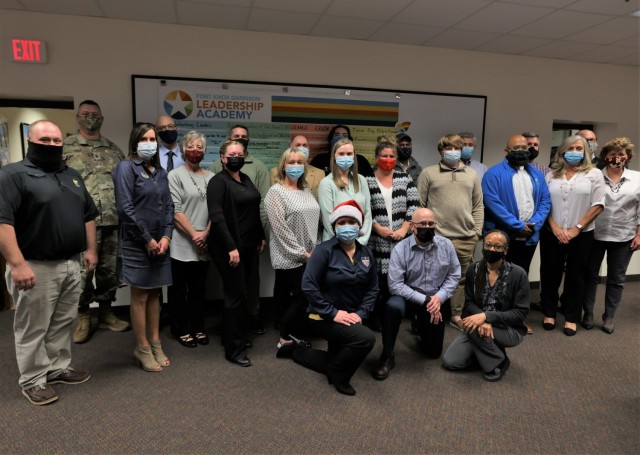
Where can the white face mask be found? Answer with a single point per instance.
(146, 150)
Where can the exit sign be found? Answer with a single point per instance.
(28, 51)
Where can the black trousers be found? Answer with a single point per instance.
(291, 304)
(553, 255)
(348, 346)
(234, 289)
(520, 253)
(186, 296)
(431, 335)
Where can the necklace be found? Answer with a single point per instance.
(615, 187)
(203, 192)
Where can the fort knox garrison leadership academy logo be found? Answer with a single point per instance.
(178, 104)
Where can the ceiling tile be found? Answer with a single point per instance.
(559, 49)
(508, 44)
(140, 10)
(404, 33)
(608, 32)
(301, 6)
(602, 54)
(74, 7)
(212, 16)
(461, 39)
(611, 7)
(634, 41)
(366, 9)
(502, 18)
(281, 21)
(439, 13)
(561, 24)
(345, 27)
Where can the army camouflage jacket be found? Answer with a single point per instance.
(96, 163)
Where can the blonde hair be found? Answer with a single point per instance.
(333, 167)
(282, 175)
(559, 165)
(619, 143)
(450, 140)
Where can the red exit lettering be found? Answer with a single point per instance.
(25, 50)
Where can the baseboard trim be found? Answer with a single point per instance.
(602, 280)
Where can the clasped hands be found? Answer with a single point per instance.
(157, 248)
(345, 318)
(433, 307)
(478, 322)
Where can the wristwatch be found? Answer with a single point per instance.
(579, 226)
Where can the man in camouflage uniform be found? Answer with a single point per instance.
(94, 157)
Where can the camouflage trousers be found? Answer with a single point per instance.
(104, 291)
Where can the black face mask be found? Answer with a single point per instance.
(404, 153)
(243, 141)
(235, 163)
(518, 157)
(425, 234)
(46, 157)
(533, 153)
(492, 256)
(168, 136)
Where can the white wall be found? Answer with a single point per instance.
(95, 58)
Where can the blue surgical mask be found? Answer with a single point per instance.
(344, 162)
(451, 157)
(146, 150)
(573, 158)
(294, 171)
(304, 151)
(347, 233)
(466, 153)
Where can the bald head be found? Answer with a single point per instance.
(300, 141)
(517, 140)
(423, 214)
(45, 132)
(588, 135)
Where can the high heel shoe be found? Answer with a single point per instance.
(145, 358)
(159, 355)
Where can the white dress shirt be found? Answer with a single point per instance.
(621, 216)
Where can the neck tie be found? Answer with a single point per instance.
(169, 161)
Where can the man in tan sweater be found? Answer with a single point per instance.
(452, 190)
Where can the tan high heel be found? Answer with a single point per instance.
(159, 354)
(145, 358)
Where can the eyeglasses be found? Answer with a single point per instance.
(166, 127)
(498, 248)
(424, 224)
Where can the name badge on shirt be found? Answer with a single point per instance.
(144, 174)
(366, 261)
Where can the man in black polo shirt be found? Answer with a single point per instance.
(46, 222)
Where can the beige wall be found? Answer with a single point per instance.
(524, 93)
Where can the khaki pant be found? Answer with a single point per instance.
(464, 250)
(44, 318)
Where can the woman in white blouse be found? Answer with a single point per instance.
(294, 220)
(617, 230)
(577, 194)
(342, 184)
(189, 256)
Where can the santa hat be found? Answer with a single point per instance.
(349, 208)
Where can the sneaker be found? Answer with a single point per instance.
(70, 376)
(83, 329)
(108, 320)
(40, 394)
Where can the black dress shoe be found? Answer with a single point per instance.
(187, 341)
(242, 361)
(201, 338)
(499, 371)
(257, 327)
(384, 367)
(549, 325)
(587, 321)
(345, 388)
(569, 332)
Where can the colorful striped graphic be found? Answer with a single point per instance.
(291, 109)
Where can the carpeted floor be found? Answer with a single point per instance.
(561, 395)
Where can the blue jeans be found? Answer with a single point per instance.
(618, 258)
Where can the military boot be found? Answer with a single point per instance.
(108, 320)
(83, 329)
